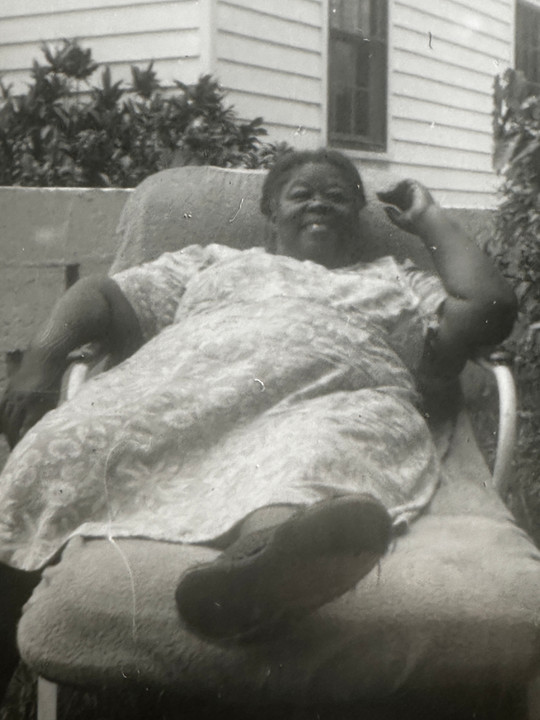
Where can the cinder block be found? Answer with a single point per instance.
(29, 293)
(65, 225)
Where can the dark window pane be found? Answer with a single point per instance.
(335, 13)
(380, 24)
(342, 62)
(364, 17)
(375, 18)
(352, 16)
(361, 114)
(343, 110)
(357, 73)
(363, 53)
(348, 20)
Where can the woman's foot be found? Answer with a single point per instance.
(283, 572)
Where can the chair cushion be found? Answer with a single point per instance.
(456, 602)
(202, 205)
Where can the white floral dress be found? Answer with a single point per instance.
(263, 380)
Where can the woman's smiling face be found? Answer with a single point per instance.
(316, 217)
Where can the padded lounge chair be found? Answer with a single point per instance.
(451, 620)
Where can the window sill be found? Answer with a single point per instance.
(371, 155)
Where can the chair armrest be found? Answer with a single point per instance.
(506, 438)
(77, 376)
(86, 362)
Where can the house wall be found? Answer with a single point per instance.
(269, 55)
(119, 33)
(444, 59)
(444, 54)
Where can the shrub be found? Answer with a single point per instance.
(65, 131)
(517, 247)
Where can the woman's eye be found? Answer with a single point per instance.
(337, 197)
(299, 195)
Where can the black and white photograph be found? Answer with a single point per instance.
(270, 359)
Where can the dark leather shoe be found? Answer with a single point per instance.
(283, 572)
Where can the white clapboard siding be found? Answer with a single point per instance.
(428, 153)
(302, 11)
(235, 47)
(421, 111)
(114, 48)
(468, 78)
(415, 40)
(118, 32)
(300, 136)
(445, 182)
(441, 135)
(12, 8)
(444, 58)
(443, 90)
(456, 30)
(187, 70)
(268, 56)
(96, 23)
(464, 15)
(294, 115)
(252, 79)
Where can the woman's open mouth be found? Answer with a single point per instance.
(316, 226)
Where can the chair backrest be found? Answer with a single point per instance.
(201, 205)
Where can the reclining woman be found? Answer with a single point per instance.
(263, 401)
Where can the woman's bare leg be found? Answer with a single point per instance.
(266, 517)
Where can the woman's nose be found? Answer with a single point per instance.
(318, 202)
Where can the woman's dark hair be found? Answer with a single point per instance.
(281, 171)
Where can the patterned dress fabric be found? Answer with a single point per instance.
(263, 380)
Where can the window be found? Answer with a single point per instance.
(357, 73)
(528, 43)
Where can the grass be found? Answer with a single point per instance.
(20, 700)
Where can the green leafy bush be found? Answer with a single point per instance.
(65, 131)
(517, 247)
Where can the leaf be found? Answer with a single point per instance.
(503, 152)
(145, 82)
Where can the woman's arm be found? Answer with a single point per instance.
(92, 310)
(481, 307)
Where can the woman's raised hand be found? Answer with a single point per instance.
(406, 204)
(480, 307)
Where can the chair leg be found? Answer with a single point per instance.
(47, 696)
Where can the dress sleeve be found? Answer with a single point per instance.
(427, 293)
(154, 289)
